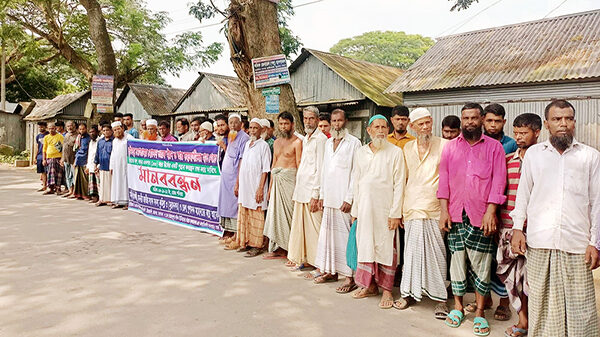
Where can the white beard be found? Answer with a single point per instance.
(253, 138)
(339, 134)
(264, 136)
(309, 131)
(378, 143)
(423, 139)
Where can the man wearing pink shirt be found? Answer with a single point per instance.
(471, 186)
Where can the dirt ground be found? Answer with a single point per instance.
(70, 269)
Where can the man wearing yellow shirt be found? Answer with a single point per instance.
(399, 119)
(52, 153)
(424, 250)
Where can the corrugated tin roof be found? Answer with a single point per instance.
(45, 109)
(556, 49)
(228, 86)
(157, 100)
(371, 79)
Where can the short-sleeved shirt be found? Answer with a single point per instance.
(39, 139)
(513, 169)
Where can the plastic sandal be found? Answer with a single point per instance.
(514, 329)
(481, 323)
(457, 318)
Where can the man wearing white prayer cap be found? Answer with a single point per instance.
(206, 131)
(151, 132)
(252, 192)
(119, 192)
(228, 193)
(424, 249)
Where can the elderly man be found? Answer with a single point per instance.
(164, 131)
(152, 130)
(68, 156)
(379, 180)
(424, 252)
(559, 197)
(128, 122)
(306, 218)
(206, 131)
(119, 191)
(82, 144)
(102, 161)
(143, 125)
(286, 159)
(336, 201)
(90, 166)
(183, 129)
(228, 194)
(399, 119)
(471, 186)
(51, 156)
(255, 165)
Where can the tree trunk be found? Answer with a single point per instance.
(253, 32)
(107, 62)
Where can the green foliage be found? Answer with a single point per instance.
(396, 49)
(462, 4)
(142, 52)
(290, 43)
(11, 159)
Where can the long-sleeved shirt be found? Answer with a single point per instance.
(471, 177)
(169, 138)
(420, 200)
(256, 160)
(559, 196)
(336, 176)
(82, 150)
(103, 152)
(92, 149)
(308, 178)
(68, 153)
(51, 146)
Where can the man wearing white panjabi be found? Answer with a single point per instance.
(336, 200)
(379, 178)
(252, 185)
(119, 192)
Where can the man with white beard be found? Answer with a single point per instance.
(336, 201)
(306, 218)
(424, 250)
(379, 178)
(251, 188)
(119, 192)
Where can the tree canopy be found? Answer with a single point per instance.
(462, 4)
(396, 49)
(64, 39)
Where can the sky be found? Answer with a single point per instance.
(320, 24)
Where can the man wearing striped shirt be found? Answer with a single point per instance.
(511, 267)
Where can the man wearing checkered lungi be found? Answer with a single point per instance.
(559, 197)
(471, 186)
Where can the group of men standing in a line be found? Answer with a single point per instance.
(523, 226)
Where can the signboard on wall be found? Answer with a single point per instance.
(102, 89)
(270, 71)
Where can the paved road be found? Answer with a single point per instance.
(70, 269)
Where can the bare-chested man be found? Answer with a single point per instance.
(287, 151)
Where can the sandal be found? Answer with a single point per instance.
(311, 275)
(502, 313)
(254, 252)
(457, 317)
(273, 256)
(326, 278)
(346, 288)
(363, 293)
(481, 323)
(403, 303)
(387, 303)
(303, 267)
(515, 332)
(441, 311)
(115, 206)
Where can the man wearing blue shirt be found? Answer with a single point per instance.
(82, 145)
(102, 161)
(493, 126)
(39, 143)
(128, 121)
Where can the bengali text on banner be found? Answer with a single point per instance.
(175, 182)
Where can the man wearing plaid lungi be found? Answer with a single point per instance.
(559, 197)
(471, 186)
